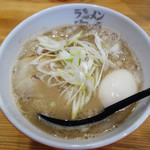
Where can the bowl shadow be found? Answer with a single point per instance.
(38, 146)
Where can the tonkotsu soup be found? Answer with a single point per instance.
(59, 73)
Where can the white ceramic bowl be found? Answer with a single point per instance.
(68, 14)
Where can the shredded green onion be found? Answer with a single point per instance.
(76, 66)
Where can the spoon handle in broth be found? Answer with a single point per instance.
(104, 114)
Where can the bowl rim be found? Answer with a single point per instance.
(47, 142)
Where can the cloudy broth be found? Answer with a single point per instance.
(33, 95)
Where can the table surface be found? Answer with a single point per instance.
(12, 12)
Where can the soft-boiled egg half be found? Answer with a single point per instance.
(116, 86)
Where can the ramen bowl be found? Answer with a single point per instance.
(43, 21)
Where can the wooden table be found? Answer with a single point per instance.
(12, 12)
